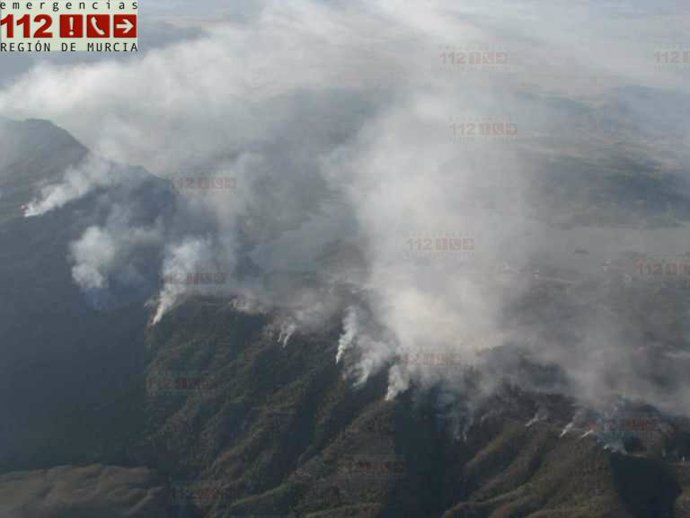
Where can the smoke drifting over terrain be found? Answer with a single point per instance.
(448, 179)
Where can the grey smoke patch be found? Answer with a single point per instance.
(126, 215)
(613, 334)
(190, 268)
(365, 347)
(110, 263)
(350, 330)
(77, 182)
(95, 254)
(154, 33)
(367, 126)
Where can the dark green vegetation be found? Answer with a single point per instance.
(228, 422)
(268, 431)
(66, 367)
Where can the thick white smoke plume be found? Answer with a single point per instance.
(78, 181)
(188, 269)
(457, 172)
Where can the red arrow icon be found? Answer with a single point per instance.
(125, 26)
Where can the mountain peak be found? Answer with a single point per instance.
(33, 152)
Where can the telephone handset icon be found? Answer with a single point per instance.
(98, 26)
(95, 27)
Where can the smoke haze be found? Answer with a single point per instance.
(442, 207)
